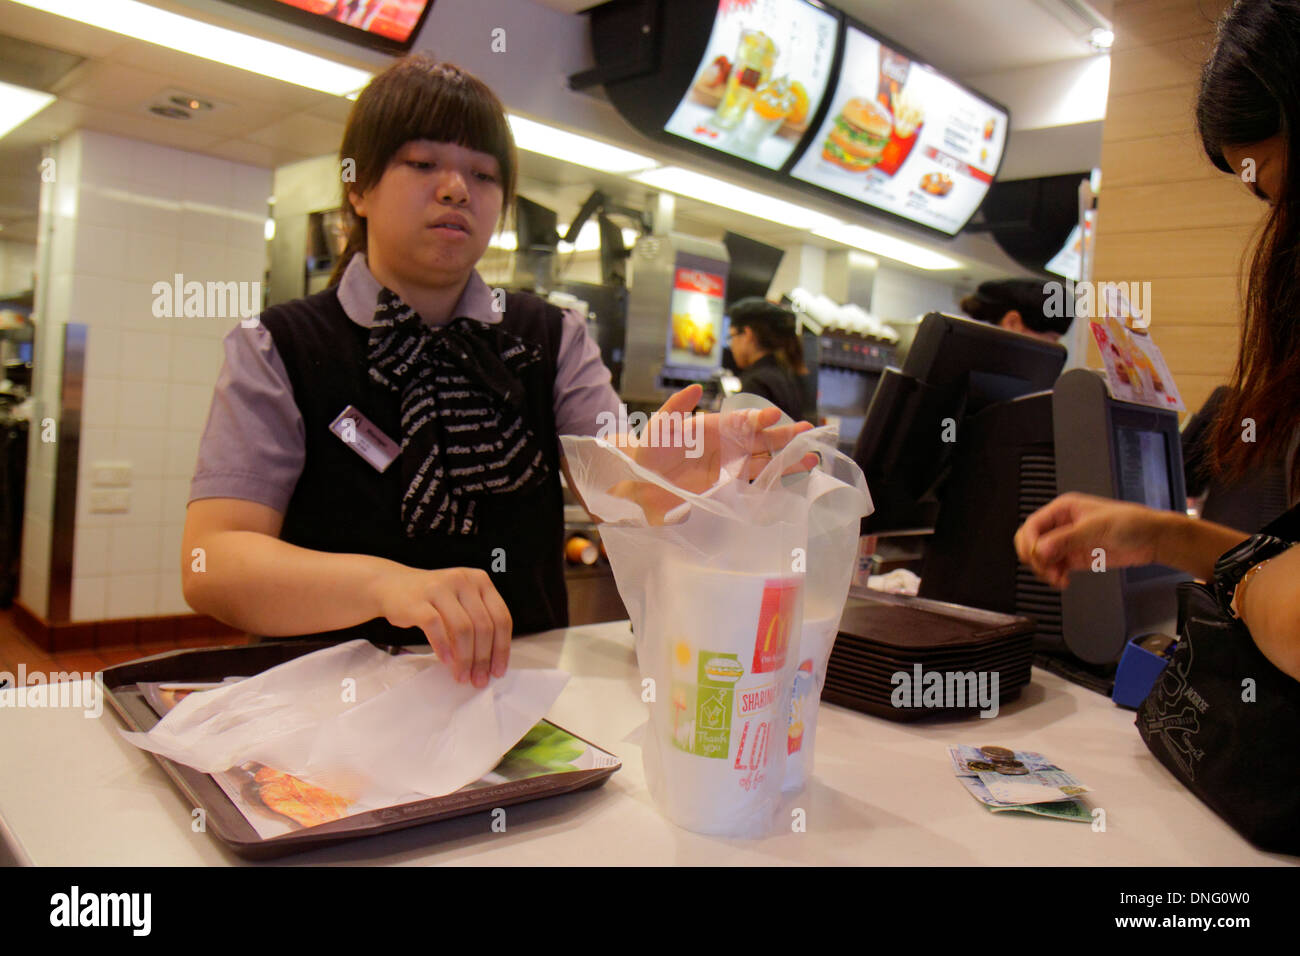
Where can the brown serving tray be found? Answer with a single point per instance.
(226, 821)
(919, 627)
(877, 628)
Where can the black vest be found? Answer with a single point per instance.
(342, 504)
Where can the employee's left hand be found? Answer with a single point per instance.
(696, 467)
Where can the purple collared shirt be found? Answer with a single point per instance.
(253, 446)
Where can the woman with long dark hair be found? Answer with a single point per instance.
(382, 458)
(1248, 117)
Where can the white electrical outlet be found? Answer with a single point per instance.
(109, 501)
(111, 474)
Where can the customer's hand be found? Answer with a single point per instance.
(460, 612)
(1065, 536)
(692, 456)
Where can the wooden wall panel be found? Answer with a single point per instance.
(1148, 22)
(1189, 302)
(1175, 158)
(1149, 113)
(1166, 215)
(1161, 254)
(1159, 66)
(1197, 204)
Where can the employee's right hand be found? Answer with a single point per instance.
(749, 435)
(1063, 535)
(460, 612)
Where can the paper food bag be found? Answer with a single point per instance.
(375, 728)
(718, 597)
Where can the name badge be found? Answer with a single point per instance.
(360, 434)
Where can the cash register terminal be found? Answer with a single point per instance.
(974, 435)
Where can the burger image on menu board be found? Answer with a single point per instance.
(859, 135)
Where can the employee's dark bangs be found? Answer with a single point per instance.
(419, 98)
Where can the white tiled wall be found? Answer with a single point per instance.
(137, 214)
(17, 263)
(898, 294)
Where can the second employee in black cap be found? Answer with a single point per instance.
(1020, 305)
(766, 348)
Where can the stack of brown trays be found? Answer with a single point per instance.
(882, 635)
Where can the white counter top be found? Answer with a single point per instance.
(73, 793)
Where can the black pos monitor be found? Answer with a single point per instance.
(918, 415)
(1011, 454)
(1020, 455)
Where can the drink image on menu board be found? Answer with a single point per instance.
(751, 71)
(762, 75)
(904, 138)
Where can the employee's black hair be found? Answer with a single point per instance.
(1028, 297)
(418, 98)
(774, 329)
(1250, 92)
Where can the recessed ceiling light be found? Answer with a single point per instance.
(171, 112)
(889, 247)
(572, 148)
(718, 192)
(1101, 38)
(19, 104)
(192, 103)
(144, 22)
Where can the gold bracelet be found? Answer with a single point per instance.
(1239, 592)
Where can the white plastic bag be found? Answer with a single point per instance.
(717, 597)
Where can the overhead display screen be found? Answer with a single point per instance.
(903, 138)
(761, 79)
(385, 24)
(695, 336)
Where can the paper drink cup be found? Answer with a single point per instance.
(722, 648)
(805, 698)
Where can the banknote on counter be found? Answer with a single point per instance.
(1003, 779)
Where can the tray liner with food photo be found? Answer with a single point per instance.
(260, 811)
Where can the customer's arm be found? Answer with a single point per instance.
(1073, 531)
(1193, 545)
(1270, 608)
(252, 580)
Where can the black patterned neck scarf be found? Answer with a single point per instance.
(463, 431)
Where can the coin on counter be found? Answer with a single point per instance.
(981, 766)
(1007, 763)
(1011, 771)
(994, 753)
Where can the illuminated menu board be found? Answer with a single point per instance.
(695, 333)
(389, 18)
(761, 80)
(389, 25)
(904, 138)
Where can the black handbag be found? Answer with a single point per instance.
(1224, 720)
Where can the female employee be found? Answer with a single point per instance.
(1248, 113)
(766, 348)
(384, 454)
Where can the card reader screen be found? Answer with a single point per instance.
(1143, 460)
